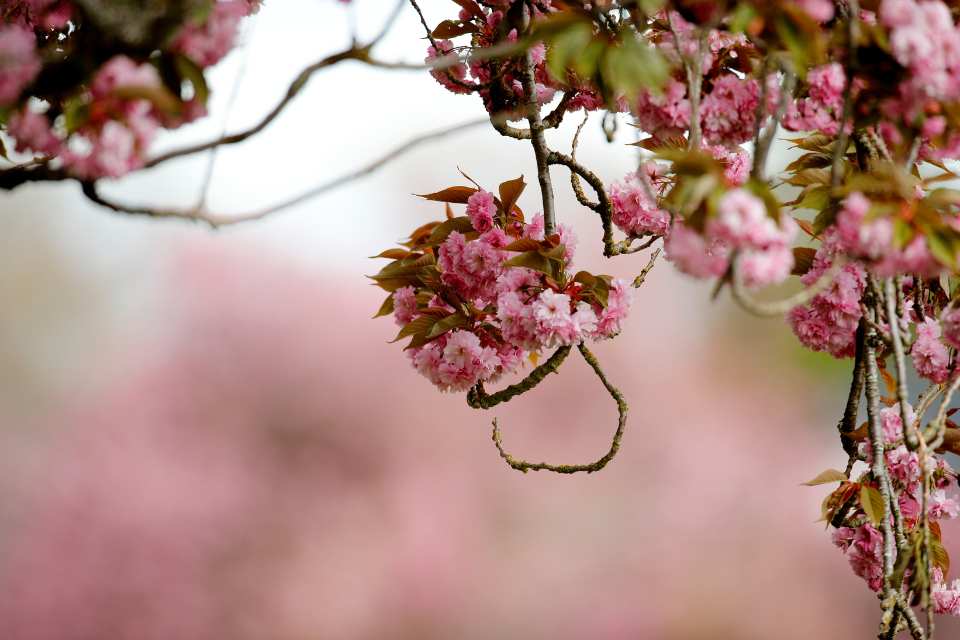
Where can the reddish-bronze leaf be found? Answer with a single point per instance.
(393, 254)
(802, 260)
(510, 192)
(456, 195)
(453, 28)
(472, 8)
(807, 227)
(523, 244)
(828, 476)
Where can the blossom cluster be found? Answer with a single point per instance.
(743, 228)
(860, 539)
(100, 123)
(480, 294)
(499, 83)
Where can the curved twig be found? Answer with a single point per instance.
(478, 398)
(575, 183)
(90, 189)
(640, 279)
(359, 53)
(780, 307)
(622, 408)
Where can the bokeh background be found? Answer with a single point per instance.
(203, 435)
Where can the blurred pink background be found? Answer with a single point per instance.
(203, 435)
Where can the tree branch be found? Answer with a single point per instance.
(593, 467)
(90, 189)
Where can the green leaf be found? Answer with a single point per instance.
(872, 503)
(386, 308)
(565, 47)
(440, 233)
(939, 556)
(828, 476)
(393, 254)
(742, 16)
(903, 233)
(452, 321)
(631, 64)
(824, 219)
(76, 113)
(188, 70)
(420, 325)
(943, 247)
(532, 260)
(816, 199)
(762, 190)
(943, 197)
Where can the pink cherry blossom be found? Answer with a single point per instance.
(481, 208)
(19, 63)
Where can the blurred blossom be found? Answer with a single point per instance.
(279, 471)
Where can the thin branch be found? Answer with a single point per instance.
(478, 398)
(640, 279)
(848, 424)
(500, 121)
(843, 138)
(780, 307)
(540, 148)
(593, 467)
(359, 53)
(764, 141)
(899, 358)
(90, 189)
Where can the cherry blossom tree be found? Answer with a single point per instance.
(863, 217)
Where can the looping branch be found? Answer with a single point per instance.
(478, 398)
(780, 307)
(568, 469)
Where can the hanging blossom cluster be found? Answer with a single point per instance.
(481, 294)
(859, 537)
(93, 116)
(870, 92)
(862, 217)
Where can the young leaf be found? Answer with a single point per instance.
(419, 325)
(456, 195)
(452, 29)
(802, 260)
(440, 233)
(939, 556)
(510, 192)
(872, 503)
(393, 254)
(531, 260)
(452, 321)
(386, 308)
(828, 476)
(523, 244)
